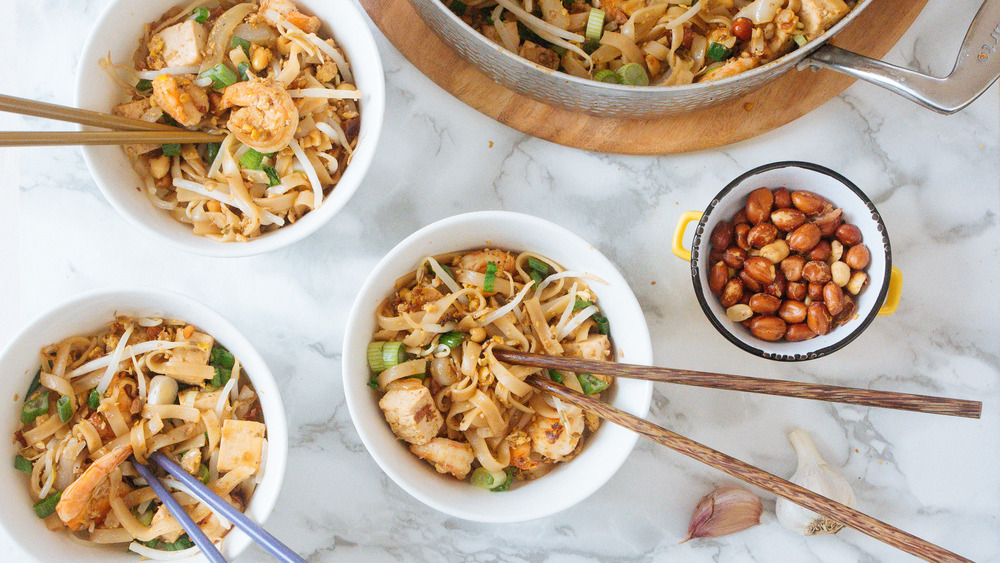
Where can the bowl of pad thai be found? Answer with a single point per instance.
(100, 382)
(459, 430)
(293, 89)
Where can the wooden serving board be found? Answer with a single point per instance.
(789, 97)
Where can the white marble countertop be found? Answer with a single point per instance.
(935, 180)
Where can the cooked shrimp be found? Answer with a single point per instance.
(520, 451)
(447, 456)
(78, 504)
(289, 12)
(267, 118)
(180, 98)
(553, 440)
(476, 261)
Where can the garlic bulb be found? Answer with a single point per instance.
(814, 474)
(724, 511)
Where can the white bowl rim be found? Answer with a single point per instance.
(263, 380)
(373, 110)
(642, 355)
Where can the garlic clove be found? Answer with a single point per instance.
(814, 474)
(724, 511)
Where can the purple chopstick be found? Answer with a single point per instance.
(240, 520)
(206, 546)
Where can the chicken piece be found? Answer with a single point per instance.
(819, 15)
(289, 12)
(447, 456)
(180, 98)
(732, 67)
(410, 411)
(597, 347)
(241, 444)
(539, 55)
(137, 109)
(180, 44)
(191, 460)
(553, 440)
(476, 261)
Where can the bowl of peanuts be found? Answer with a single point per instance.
(790, 261)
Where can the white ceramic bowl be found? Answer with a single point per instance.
(568, 483)
(89, 313)
(117, 32)
(880, 297)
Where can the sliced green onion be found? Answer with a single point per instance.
(559, 49)
(602, 324)
(536, 264)
(221, 377)
(272, 176)
(203, 474)
(241, 71)
(632, 74)
(447, 270)
(221, 357)
(595, 24)
(506, 482)
(181, 544)
(393, 354)
(451, 339)
(35, 407)
(242, 43)
(491, 277)
(94, 400)
(171, 149)
(152, 544)
(145, 518)
(375, 357)
(458, 7)
(143, 84)
(212, 151)
(609, 76)
(373, 382)
(555, 376)
(251, 159)
(581, 304)
(200, 14)
(35, 383)
(718, 52)
(590, 384)
(800, 39)
(590, 45)
(537, 276)
(45, 507)
(221, 76)
(487, 479)
(22, 463)
(64, 408)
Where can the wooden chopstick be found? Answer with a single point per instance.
(33, 108)
(752, 475)
(866, 397)
(53, 138)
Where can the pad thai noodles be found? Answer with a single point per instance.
(139, 386)
(443, 391)
(651, 42)
(260, 74)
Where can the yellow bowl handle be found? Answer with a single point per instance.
(682, 223)
(895, 291)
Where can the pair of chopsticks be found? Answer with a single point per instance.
(124, 130)
(740, 469)
(206, 495)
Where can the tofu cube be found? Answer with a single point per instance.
(135, 110)
(818, 16)
(180, 44)
(241, 444)
(410, 411)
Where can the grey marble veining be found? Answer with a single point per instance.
(935, 179)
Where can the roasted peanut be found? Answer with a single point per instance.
(792, 311)
(767, 328)
(818, 318)
(715, 256)
(739, 313)
(799, 332)
(820, 252)
(759, 204)
(828, 220)
(807, 202)
(849, 234)
(717, 277)
(808, 301)
(782, 198)
(778, 286)
(764, 304)
(858, 257)
(792, 267)
(804, 238)
(833, 297)
(847, 313)
(740, 231)
(762, 235)
(796, 290)
(816, 272)
(836, 251)
(815, 291)
(740, 217)
(722, 235)
(159, 166)
(857, 282)
(840, 273)
(749, 283)
(775, 251)
(732, 292)
(734, 257)
(760, 269)
(788, 219)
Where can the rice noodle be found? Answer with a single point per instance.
(325, 93)
(488, 319)
(310, 173)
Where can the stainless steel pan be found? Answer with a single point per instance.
(978, 66)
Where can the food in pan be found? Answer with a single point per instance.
(651, 42)
(138, 386)
(443, 391)
(263, 75)
(787, 266)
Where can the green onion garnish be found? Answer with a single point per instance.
(251, 159)
(35, 383)
(21, 463)
(603, 326)
(272, 176)
(595, 24)
(200, 14)
(609, 76)
(458, 7)
(590, 384)
(221, 76)
(393, 354)
(581, 304)
(375, 357)
(506, 482)
(487, 479)
(221, 376)
(590, 45)
(632, 74)
(491, 277)
(171, 149)
(181, 544)
(718, 52)
(45, 507)
(203, 474)
(64, 408)
(555, 376)
(451, 339)
(94, 400)
(35, 407)
(211, 151)
(241, 70)
(221, 357)
(800, 39)
(538, 265)
(145, 518)
(240, 42)
(143, 85)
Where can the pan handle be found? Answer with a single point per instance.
(977, 67)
